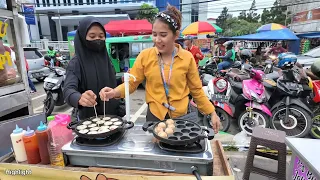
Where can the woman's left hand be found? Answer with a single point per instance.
(215, 122)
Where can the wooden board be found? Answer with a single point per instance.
(221, 171)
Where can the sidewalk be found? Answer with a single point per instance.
(237, 161)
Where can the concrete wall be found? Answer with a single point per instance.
(294, 9)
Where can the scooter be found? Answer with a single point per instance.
(53, 85)
(248, 101)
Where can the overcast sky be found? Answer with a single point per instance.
(215, 8)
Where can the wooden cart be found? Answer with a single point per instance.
(221, 171)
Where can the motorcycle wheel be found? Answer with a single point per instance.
(294, 126)
(260, 119)
(48, 104)
(315, 132)
(225, 120)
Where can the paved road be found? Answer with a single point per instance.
(137, 101)
(137, 105)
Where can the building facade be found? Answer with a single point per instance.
(305, 15)
(54, 18)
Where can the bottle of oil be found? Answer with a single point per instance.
(31, 145)
(42, 137)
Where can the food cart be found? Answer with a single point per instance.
(14, 92)
(9, 169)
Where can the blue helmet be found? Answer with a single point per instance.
(287, 60)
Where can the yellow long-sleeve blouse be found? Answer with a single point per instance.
(184, 79)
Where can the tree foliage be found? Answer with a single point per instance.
(147, 12)
(221, 21)
(238, 27)
(277, 14)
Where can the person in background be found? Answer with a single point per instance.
(277, 50)
(89, 71)
(195, 51)
(258, 54)
(31, 85)
(170, 73)
(51, 53)
(229, 58)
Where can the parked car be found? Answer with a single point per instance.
(36, 63)
(308, 58)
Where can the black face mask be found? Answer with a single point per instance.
(96, 45)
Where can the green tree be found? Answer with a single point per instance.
(243, 15)
(221, 20)
(238, 27)
(147, 12)
(253, 16)
(277, 14)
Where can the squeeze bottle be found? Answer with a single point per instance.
(17, 144)
(42, 137)
(31, 145)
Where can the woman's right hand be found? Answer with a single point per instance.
(107, 93)
(88, 99)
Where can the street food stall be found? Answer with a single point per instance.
(14, 93)
(132, 153)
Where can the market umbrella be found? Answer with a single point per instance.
(270, 27)
(201, 27)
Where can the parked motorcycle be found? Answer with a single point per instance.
(248, 101)
(53, 85)
(291, 114)
(315, 104)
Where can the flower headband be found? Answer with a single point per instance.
(168, 18)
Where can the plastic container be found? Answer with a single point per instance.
(31, 145)
(59, 135)
(42, 137)
(18, 145)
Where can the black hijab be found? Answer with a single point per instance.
(96, 69)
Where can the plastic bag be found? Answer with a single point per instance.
(242, 139)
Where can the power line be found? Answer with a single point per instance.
(184, 4)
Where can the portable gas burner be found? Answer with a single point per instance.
(137, 149)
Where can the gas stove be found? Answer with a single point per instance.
(136, 149)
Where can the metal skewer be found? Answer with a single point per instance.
(95, 111)
(104, 109)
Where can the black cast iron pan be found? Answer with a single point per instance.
(124, 126)
(185, 132)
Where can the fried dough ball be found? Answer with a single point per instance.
(162, 134)
(162, 124)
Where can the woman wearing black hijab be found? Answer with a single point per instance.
(89, 71)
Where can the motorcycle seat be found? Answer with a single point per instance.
(236, 85)
(274, 75)
(237, 75)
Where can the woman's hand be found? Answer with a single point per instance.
(108, 93)
(88, 99)
(215, 122)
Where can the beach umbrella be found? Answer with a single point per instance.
(270, 27)
(201, 27)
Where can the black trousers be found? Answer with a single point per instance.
(151, 117)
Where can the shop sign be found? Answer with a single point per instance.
(304, 16)
(4, 58)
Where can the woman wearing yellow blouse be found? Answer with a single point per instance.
(170, 73)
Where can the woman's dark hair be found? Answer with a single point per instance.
(175, 14)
